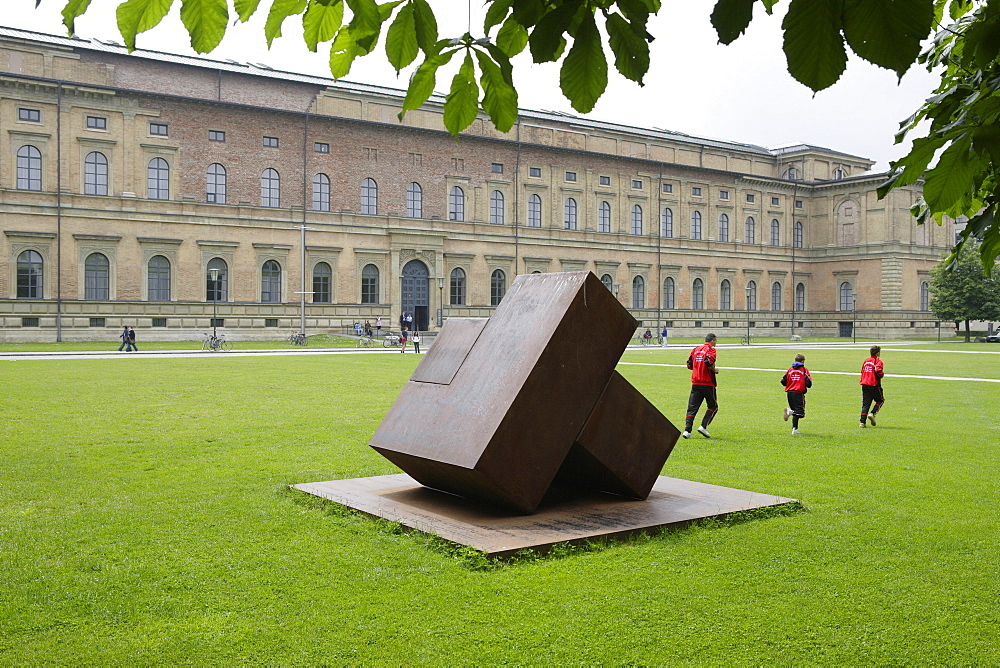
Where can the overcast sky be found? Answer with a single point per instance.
(740, 92)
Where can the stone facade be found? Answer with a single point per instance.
(114, 209)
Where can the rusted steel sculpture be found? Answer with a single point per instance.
(501, 408)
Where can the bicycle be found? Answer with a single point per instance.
(391, 340)
(297, 339)
(366, 342)
(746, 340)
(216, 343)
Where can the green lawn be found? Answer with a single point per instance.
(145, 519)
(111, 344)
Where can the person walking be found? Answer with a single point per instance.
(402, 340)
(871, 385)
(409, 321)
(378, 326)
(416, 342)
(701, 361)
(663, 337)
(131, 340)
(124, 337)
(797, 381)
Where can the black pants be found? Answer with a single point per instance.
(871, 394)
(701, 393)
(797, 402)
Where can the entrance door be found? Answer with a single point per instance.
(416, 286)
(846, 330)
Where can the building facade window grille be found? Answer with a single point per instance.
(322, 283)
(800, 297)
(369, 284)
(29, 168)
(696, 225)
(498, 286)
(636, 219)
(775, 232)
(270, 188)
(604, 217)
(846, 296)
(496, 208)
(215, 184)
(158, 179)
(456, 294)
(569, 214)
(638, 292)
(95, 174)
(776, 296)
(752, 296)
(698, 294)
(535, 211)
(797, 236)
(321, 192)
(456, 204)
(414, 200)
(29, 275)
(158, 279)
(97, 277)
(725, 295)
(751, 231)
(369, 197)
(217, 290)
(925, 296)
(667, 223)
(608, 282)
(723, 227)
(669, 293)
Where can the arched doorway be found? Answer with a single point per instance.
(416, 284)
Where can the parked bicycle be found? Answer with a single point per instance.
(366, 342)
(216, 343)
(746, 340)
(297, 339)
(391, 340)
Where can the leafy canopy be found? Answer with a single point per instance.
(964, 114)
(964, 291)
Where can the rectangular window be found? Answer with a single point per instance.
(216, 135)
(321, 147)
(637, 184)
(798, 204)
(97, 123)
(29, 322)
(668, 323)
(668, 187)
(775, 201)
(723, 194)
(458, 164)
(159, 129)
(217, 322)
(696, 191)
(725, 323)
(801, 324)
(270, 322)
(571, 176)
(33, 115)
(417, 159)
(271, 142)
(371, 154)
(159, 322)
(496, 168)
(605, 180)
(752, 324)
(535, 172)
(751, 198)
(697, 323)
(777, 323)
(97, 322)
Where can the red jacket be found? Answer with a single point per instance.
(797, 379)
(701, 361)
(871, 371)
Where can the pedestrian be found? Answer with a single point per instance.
(125, 341)
(409, 321)
(871, 385)
(131, 340)
(357, 328)
(797, 381)
(663, 337)
(402, 320)
(402, 340)
(647, 336)
(701, 361)
(378, 326)
(416, 342)
(368, 329)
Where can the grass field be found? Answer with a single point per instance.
(145, 519)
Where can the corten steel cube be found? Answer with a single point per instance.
(496, 407)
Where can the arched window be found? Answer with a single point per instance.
(723, 227)
(698, 294)
(534, 211)
(636, 219)
(752, 296)
(669, 293)
(95, 174)
(638, 292)
(270, 282)
(776, 300)
(456, 204)
(158, 279)
(793, 173)
(270, 188)
(158, 179)
(215, 184)
(839, 174)
(797, 234)
(725, 295)
(608, 282)
(369, 199)
(498, 287)
(96, 277)
(800, 297)
(667, 223)
(604, 217)
(217, 290)
(925, 296)
(29, 275)
(321, 192)
(569, 214)
(775, 232)
(414, 201)
(322, 283)
(496, 208)
(457, 294)
(29, 168)
(846, 297)
(751, 231)
(696, 225)
(369, 285)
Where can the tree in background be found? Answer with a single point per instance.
(964, 291)
(964, 113)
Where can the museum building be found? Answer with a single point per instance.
(169, 193)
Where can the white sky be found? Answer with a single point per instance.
(740, 92)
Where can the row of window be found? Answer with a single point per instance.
(669, 294)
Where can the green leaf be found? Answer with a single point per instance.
(496, 13)
(813, 45)
(136, 16)
(547, 39)
(769, 6)
(911, 167)
(631, 50)
(528, 12)
(245, 9)
(584, 74)
(731, 18)
(986, 140)
(401, 46)
(461, 105)
(321, 21)
(343, 51)
(425, 25)
(280, 10)
(952, 178)
(499, 96)
(888, 32)
(422, 81)
(366, 20)
(72, 9)
(206, 22)
(512, 37)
